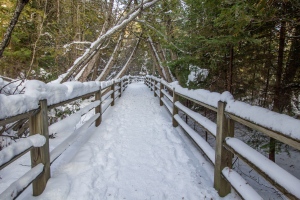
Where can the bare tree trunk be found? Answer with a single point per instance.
(92, 63)
(124, 21)
(35, 45)
(165, 74)
(112, 59)
(164, 59)
(230, 73)
(278, 107)
(20, 5)
(155, 63)
(124, 69)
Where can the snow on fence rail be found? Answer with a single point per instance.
(34, 105)
(281, 127)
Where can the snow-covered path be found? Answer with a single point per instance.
(134, 154)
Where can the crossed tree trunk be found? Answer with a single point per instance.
(95, 47)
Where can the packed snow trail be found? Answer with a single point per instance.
(134, 154)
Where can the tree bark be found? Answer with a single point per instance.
(277, 105)
(230, 69)
(96, 45)
(166, 75)
(124, 69)
(112, 59)
(20, 5)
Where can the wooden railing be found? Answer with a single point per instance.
(38, 142)
(227, 145)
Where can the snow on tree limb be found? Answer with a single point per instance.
(123, 70)
(112, 59)
(86, 57)
(157, 58)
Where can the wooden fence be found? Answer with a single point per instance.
(227, 145)
(41, 158)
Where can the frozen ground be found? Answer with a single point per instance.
(134, 154)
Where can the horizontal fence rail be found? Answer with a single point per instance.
(226, 144)
(38, 141)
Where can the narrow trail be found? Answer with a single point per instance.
(134, 154)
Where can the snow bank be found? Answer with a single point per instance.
(22, 145)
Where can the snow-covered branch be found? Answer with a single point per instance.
(85, 58)
(123, 70)
(112, 59)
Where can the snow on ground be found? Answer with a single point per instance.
(134, 154)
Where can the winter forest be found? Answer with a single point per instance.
(250, 48)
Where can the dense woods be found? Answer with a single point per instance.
(250, 48)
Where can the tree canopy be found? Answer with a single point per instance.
(250, 48)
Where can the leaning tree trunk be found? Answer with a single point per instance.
(111, 60)
(126, 66)
(20, 5)
(123, 22)
(93, 63)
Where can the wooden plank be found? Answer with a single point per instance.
(170, 109)
(120, 90)
(201, 143)
(98, 108)
(240, 185)
(17, 187)
(38, 124)
(198, 102)
(223, 157)
(262, 173)
(18, 117)
(175, 109)
(196, 120)
(167, 85)
(15, 158)
(167, 95)
(70, 100)
(161, 95)
(113, 94)
(154, 88)
(276, 135)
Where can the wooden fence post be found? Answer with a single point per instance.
(120, 90)
(175, 109)
(223, 157)
(154, 88)
(113, 94)
(151, 84)
(98, 109)
(161, 95)
(38, 124)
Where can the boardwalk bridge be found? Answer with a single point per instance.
(220, 156)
